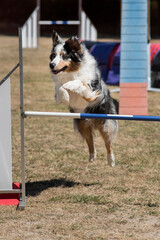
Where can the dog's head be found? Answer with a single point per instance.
(65, 56)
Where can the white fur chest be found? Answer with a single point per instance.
(71, 88)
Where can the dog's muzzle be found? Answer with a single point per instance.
(55, 71)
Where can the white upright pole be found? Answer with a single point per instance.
(5, 137)
(29, 22)
(38, 19)
(83, 27)
(35, 29)
(24, 37)
(88, 24)
(79, 17)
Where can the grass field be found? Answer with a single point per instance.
(67, 197)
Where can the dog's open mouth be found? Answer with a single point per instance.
(60, 70)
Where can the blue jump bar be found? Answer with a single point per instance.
(63, 22)
(59, 22)
(121, 117)
(91, 115)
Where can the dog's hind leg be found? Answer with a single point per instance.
(85, 129)
(108, 133)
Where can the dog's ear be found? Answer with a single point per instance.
(56, 38)
(74, 49)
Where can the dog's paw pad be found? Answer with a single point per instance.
(111, 160)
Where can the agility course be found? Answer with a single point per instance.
(66, 196)
(69, 198)
(24, 114)
(8, 171)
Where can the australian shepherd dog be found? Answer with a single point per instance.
(79, 85)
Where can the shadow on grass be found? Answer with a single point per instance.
(35, 188)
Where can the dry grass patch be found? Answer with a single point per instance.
(68, 197)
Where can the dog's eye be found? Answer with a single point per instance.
(52, 56)
(65, 56)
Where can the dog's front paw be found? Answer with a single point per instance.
(73, 86)
(67, 86)
(111, 160)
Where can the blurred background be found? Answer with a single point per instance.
(105, 15)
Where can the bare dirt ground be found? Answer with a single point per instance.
(69, 198)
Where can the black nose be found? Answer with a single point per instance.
(52, 65)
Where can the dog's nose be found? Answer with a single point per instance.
(52, 65)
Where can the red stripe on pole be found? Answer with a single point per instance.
(133, 99)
